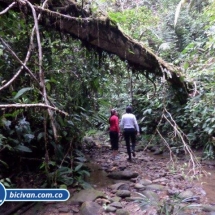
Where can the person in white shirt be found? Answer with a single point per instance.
(130, 128)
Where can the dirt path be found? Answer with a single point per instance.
(151, 168)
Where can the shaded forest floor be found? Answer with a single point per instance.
(172, 186)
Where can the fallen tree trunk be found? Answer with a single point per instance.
(102, 34)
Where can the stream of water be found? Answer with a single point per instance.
(208, 182)
(98, 178)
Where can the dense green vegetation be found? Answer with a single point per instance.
(86, 84)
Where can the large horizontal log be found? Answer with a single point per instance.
(102, 33)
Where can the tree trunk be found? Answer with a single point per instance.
(104, 35)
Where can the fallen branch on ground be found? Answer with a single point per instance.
(196, 166)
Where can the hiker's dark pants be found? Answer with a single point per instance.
(130, 135)
(114, 140)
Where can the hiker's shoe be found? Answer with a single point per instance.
(129, 160)
(133, 153)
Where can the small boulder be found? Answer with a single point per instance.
(86, 195)
(123, 175)
(90, 208)
(122, 212)
(123, 193)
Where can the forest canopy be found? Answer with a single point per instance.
(101, 32)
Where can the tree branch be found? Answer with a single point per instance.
(8, 8)
(20, 70)
(33, 106)
(41, 73)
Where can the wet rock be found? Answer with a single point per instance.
(122, 212)
(123, 175)
(116, 204)
(65, 214)
(63, 210)
(155, 187)
(116, 199)
(110, 209)
(133, 180)
(86, 195)
(145, 182)
(123, 193)
(185, 194)
(90, 208)
(119, 186)
(208, 208)
(132, 198)
(139, 186)
(75, 209)
(160, 180)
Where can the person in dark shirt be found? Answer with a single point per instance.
(114, 132)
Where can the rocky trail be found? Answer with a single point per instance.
(149, 185)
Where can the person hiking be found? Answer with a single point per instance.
(130, 128)
(114, 132)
